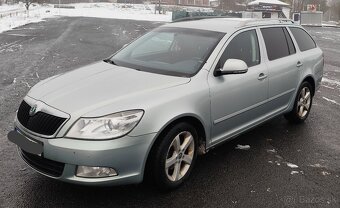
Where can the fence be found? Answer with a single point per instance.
(179, 14)
(12, 13)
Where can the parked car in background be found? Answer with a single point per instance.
(178, 91)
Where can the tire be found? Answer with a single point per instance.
(168, 152)
(302, 104)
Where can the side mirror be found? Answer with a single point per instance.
(232, 66)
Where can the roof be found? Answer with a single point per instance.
(275, 2)
(226, 25)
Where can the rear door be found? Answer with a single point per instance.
(283, 68)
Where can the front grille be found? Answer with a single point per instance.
(41, 123)
(49, 167)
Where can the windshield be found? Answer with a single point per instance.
(171, 51)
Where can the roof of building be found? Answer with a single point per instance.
(226, 25)
(273, 2)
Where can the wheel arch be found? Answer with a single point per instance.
(311, 81)
(189, 118)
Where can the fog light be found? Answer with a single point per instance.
(95, 172)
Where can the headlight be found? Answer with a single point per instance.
(106, 127)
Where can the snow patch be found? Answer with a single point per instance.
(16, 16)
(317, 165)
(271, 150)
(26, 83)
(115, 11)
(294, 172)
(291, 165)
(242, 147)
(19, 18)
(279, 157)
(330, 100)
(332, 88)
(325, 173)
(330, 81)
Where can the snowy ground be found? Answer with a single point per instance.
(15, 15)
(115, 11)
(4, 8)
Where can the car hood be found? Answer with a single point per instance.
(100, 84)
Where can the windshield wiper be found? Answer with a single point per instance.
(110, 61)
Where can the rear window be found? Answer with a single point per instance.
(303, 39)
(276, 43)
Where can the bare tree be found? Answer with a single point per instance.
(232, 4)
(300, 5)
(29, 2)
(334, 9)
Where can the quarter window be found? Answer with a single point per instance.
(290, 43)
(303, 39)
(244, 47)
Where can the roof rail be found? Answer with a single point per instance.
(199, 18)
(269, 21)
(246, 21)
(286, 20)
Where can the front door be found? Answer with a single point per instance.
(237, 99)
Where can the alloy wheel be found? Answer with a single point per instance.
(180, 155)
(304, 102)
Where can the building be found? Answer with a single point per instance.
(267, 9)
(194, 2)
(204, 3)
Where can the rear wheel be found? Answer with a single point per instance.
(173, 157)
(302, 105)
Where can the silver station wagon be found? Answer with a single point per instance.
(145, 113)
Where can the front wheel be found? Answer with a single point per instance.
(173, 157)
(302, 105)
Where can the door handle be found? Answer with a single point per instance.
(299, 64)
(262, 76)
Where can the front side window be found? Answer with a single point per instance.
(170, 51)
(302, 38)
(244, 47)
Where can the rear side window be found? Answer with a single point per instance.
(276, 43)
(303, 39)
(245, 47)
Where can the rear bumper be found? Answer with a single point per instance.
(127, 155)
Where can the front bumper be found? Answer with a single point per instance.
(127, 155)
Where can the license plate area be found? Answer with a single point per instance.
(25, 143)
